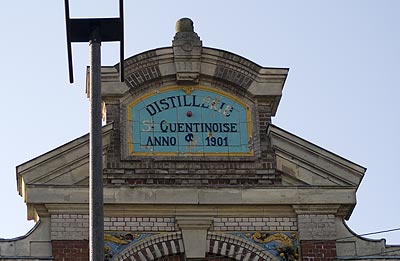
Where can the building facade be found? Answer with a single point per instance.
(194, 169)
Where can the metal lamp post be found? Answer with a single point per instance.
(95, 31)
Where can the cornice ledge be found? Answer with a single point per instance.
(316, 209)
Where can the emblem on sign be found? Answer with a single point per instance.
(192, 121)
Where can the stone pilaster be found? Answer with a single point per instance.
(317, 231)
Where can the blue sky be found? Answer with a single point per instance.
(341, 93)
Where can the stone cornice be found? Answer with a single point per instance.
(175, 210)
(306, 209)
(44, 194)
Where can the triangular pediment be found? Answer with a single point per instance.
(67, 165)
(303, 163)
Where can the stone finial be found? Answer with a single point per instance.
(187, 52)
(184, 25)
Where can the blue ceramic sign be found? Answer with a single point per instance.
(198, 121)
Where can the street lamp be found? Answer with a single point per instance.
(95, 31)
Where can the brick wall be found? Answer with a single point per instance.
(76, 226)
(312, 250)
(112, 116)
(70, 250)
(214, 173)
(255, 223)
(69, 227)
(139, 224)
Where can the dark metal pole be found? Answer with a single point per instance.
(96, 209)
